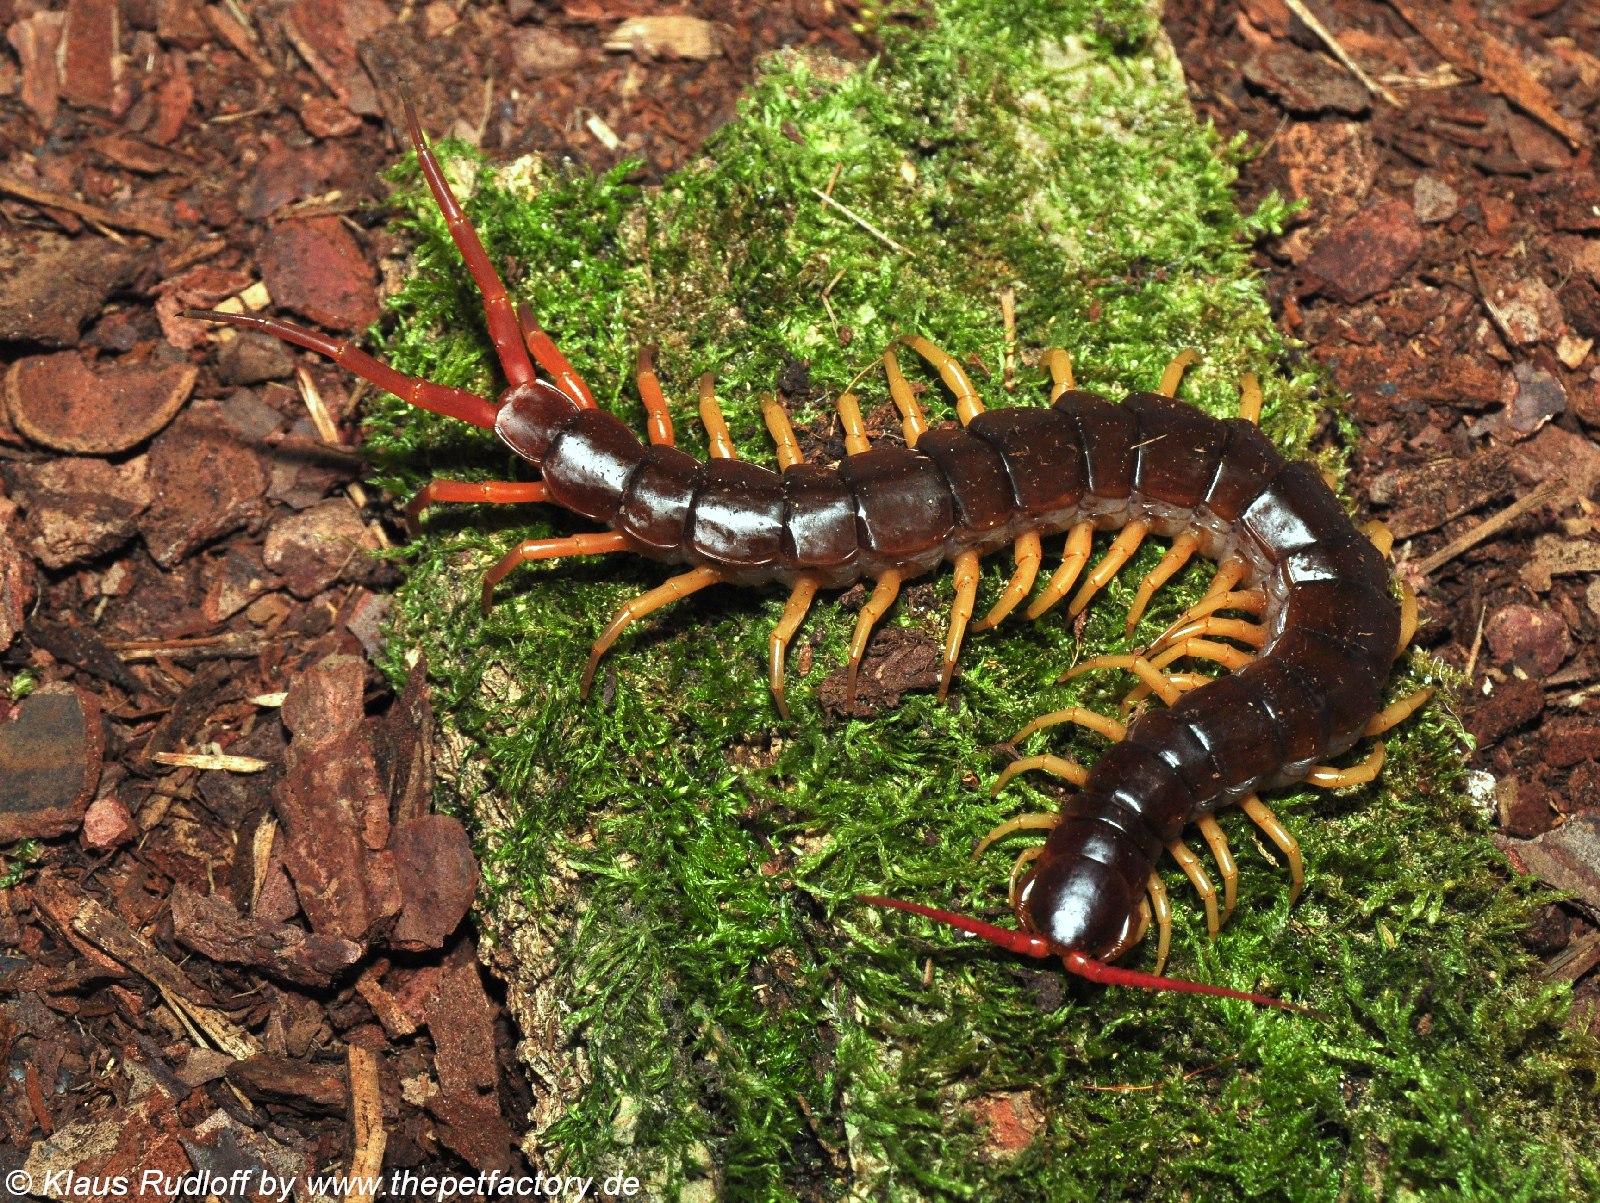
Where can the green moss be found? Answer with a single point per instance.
(672, 871)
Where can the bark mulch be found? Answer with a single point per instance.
(228, 880)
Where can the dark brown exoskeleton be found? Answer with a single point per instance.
(1326, 626)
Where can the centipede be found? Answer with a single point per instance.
(1301, 610)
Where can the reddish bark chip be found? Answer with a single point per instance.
(80, 508)
(280, 1079)
(315, 268)
(1368, 253)
(313, 549)
(56, 401)
(49, 763)
(205, 483)
(438, 877)
(90, 54)
(1512, 704)
(50, 286)
(1304, 83)
(107, 825)
(16, 574)
(1572, 201)
(211, 926)
(333, 807)
(326, 33)
(1557, 454)
(36, 40)
(461, 1021)
(1519, 634)
(283, 176)
(143, 1136)
(1566, 858)
(1569, 743)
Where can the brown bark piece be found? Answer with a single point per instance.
(1566, 858)
(36, 40)
(275, 1078)
(1458, 36)
(1306, 83)
(50, 753)
(326, 33)
(438, 876)
(205, 482)
(1368, 253)
(90, 54)
(142, 1135)
(16, 574)
(50, 285)
(404, 746)
(315, 268)
(313, 549)
(58, 402)
(332, 806)
(211, 926)
(81, 508)
(1519, 634)
(1513, 704)
(461, 1021)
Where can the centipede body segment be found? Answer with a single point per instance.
(1320, 627)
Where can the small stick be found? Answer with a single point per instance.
(1317, 27)
(35, 195)
(1008, 314)
(1489, 526)
(862, 222)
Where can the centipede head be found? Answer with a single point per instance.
(1034, 945)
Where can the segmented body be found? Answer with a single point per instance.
(1004, 478)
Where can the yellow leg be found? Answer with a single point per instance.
(960, 615)
(1408, 618)
(1250, 398)
(782, 432)
(855, 430)
(968, 406)
(1173, 376)
(1122, 549)
(794, 613)
(1163, 912)
(1382, 537)
(1396, 713)
(1249, 633)
(1028, 552)
(1054, 765)
(884, 591)
(912, 420)
(1098, 723)
(717, 436)
(1263, 818)
(1024, 858)
(658, 422)
(680, 586)
(1060, 365)
(1183, 547)
(1357, 774)
(1211, 831)
(548, 549)
(1030, 822)
(1229, 573)
(1080, 544)
(1159, 683)
(1195, 872)
(1251, 601)
(1224, 654)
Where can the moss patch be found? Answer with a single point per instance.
(672, 871)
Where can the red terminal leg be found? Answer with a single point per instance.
(424, 394)
(504, 329)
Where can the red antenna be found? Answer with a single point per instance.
(1083, 965)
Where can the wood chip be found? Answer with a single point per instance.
(221, 764)
(1458, 36)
